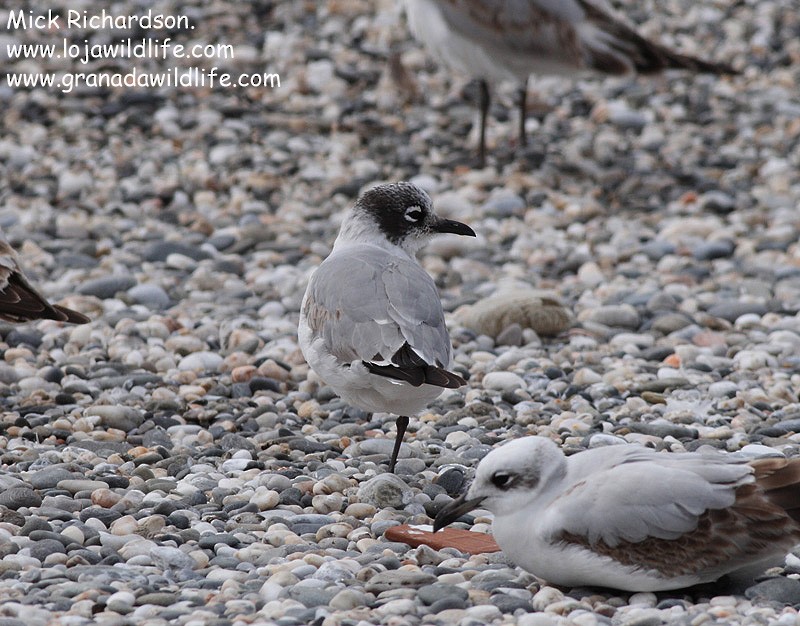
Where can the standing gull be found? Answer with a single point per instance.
(510, 39)
(631, 518)
(371, 322)
(19, 301)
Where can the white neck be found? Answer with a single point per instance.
(356, 229)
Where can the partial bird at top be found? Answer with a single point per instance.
(19, 301)
(510, 39)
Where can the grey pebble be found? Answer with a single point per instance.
(616, 316)
(42, 548)
(160, 250)
(150, 295)
(780, 589)
(116, 416)
(384, 491)
(312, 597)
(48, 477)
(731, 310)
(710, 250)
(398, 579)
(107, 286)
(19, 497)
(429, 594)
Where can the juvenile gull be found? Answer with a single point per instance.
(495, 40)
(19, 301)
(631, 518)
(371, 322)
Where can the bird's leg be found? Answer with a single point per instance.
(522, 94)
(402, 424)
(484, 100)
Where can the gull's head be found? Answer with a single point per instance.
(509, 478)
(398, 213)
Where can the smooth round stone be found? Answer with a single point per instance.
(756, 451)
(613, 315)
(504, 203)
(169, 557)
(75, 485)
(158, 598)
(537, 619)
(670, 322)
(398, 579)
(508, 604)
(369, 447)
(780, 589)
(115, 416)
(710, 250)
(266, 499)
(723, 389)
(44, 547)
(201, 361)
(485, 613)
(451, 480)
(34, 523)
(731, 310)
(160, 250)
(150, 295)
(436, 592)
(19, 497)
(503, 381)
(360, 510)
(121, 602)
(384, 491)
(48, 477)
(106, 286)
(311, 597)
(348, 599)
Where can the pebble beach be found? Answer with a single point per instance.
(635, 280)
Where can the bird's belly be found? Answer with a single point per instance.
(381, 395)
(575, 566)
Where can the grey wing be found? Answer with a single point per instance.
(415, 307)
(646, 496)
(366, 305)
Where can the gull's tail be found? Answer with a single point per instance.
(780, 480)
(613, 47)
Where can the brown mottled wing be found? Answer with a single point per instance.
(720, 535)
(576, 32)
(780, 480)
(20, 302)
(613, 47)
(752, 529)
(544, 27)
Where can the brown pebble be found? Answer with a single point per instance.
(243, 373)
(105, 498)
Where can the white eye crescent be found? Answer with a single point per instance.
(414, 214)
(502, 480)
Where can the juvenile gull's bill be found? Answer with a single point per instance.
(371, 322)
(19, 301)
(631, 518)
(510, 39)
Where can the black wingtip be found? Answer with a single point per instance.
(417, 375)
(71, 316)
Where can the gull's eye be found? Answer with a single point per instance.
(414, 214)
(502, 480)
